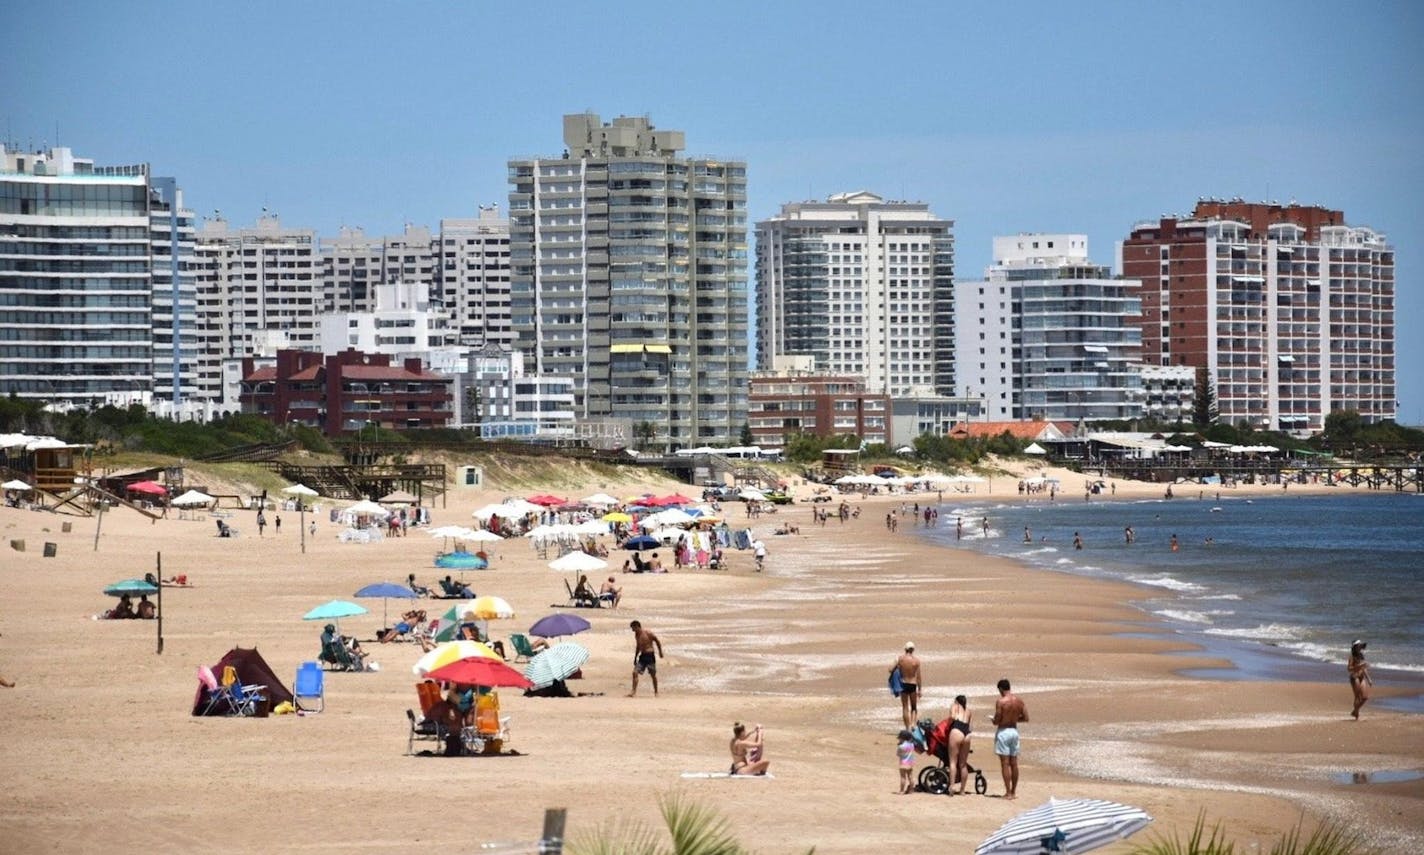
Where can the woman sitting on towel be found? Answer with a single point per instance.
(747, 751)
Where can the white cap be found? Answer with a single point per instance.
(909, 645)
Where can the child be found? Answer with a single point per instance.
(906, 752)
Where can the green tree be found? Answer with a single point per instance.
(1343, 427)
(1204, 411)
(643, 435)
(746, 437)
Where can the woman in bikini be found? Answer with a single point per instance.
(960, 716)
(747, 751)
(1360, 681)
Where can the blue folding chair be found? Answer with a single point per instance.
(243, 699)
(310, 683)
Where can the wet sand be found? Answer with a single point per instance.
(101, 751)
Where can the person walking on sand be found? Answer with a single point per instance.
(643, 658)
(1009, 711)
(261, 523)
(276, 523)
(910, 683)
(1360, 681)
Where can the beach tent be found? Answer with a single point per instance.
(252, 670)
(1035, 448)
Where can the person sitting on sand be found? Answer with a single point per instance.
(146, 609)
(656, 565)
(420, 590)
(123, 610)
(748, 751)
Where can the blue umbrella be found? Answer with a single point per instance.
(386, 590)
(556, 663)
(461, 561)
(132, 587)
(334, 610)
(555, 625)
(642, 541)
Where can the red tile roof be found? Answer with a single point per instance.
(1019, 430)
(386, 372)
(267, 372)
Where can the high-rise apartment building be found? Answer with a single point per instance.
(863, 285)
(629, 274)
(87, 298)
(1047, 334)
(472, 277)
(353, 264)
(1288, 309)
(259, 290)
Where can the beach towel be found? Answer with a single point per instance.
(727, 775)
(897, 685)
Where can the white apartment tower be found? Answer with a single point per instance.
(629, 274)
(1047, 334)
(86, 290)
(863, 285)
(472, 277)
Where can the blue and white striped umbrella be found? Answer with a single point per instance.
(556, 663)
(1065, 825)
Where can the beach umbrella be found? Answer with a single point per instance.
(480, 535)
(451, 651)
(592, 528)
(1065, 825)
(1035, 448)
(460, 561)
(15, 485)
(300, 490)
(148, 488)
(602, 499)
(547, 500)
(193, 497)
(578, 562)
(488, 608)
(617, 517)
(480, 671)
(334, 611)
(677, 499)
(399, 497)
(557, 663)
(446, 531)
(131, 587)
(558, 624)
(368, 508)
(642, 541)
(386, 590)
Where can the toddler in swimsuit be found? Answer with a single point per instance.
(905, 752)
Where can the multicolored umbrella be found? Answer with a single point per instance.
(557, 663)
(480, 671)
(452, 651)
(1065, 825)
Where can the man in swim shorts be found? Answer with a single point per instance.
(1008, 712)
(643, 659)
(909, 666)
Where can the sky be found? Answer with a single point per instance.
(1005, 117)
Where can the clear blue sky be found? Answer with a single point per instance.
(1082, 117)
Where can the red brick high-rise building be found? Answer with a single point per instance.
(1288, 309)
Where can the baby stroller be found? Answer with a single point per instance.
(933, 739)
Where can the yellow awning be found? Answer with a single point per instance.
(658, 348)
(626, 348)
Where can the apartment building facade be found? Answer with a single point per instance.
(862, 284)
(345, 391)
(1048, 334)
(628, 273)
(472, 277)
(87, 297)
(1288, 308)
(782, 404)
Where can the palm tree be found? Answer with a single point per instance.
(694, 830)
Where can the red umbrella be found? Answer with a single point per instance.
(547, 501)
(676, 499)
(153, 488)
(480, 671)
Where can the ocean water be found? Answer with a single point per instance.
(1271, 582)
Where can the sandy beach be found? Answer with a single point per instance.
(101, 751)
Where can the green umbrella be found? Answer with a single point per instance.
(334, 610)
(131, 587)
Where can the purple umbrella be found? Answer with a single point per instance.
(555, 625)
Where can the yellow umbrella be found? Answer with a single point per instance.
(617, 517)
(452, 651)
(487, 608)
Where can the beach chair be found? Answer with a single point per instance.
(310, 683)
(218, 696)
(422, 729)
(334, 654)
(522, 648)
(581, 602)
(243, 699)
(428, 692)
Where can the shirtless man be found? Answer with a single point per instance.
(643, 658)
(909, 666)
(611, 592)
(1008, 712)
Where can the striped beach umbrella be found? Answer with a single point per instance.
(557, 663)
(1065, 825)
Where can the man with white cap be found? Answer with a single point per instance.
(909, 666)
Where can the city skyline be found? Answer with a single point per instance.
(1005, 120)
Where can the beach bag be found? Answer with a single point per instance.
(897, 686)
